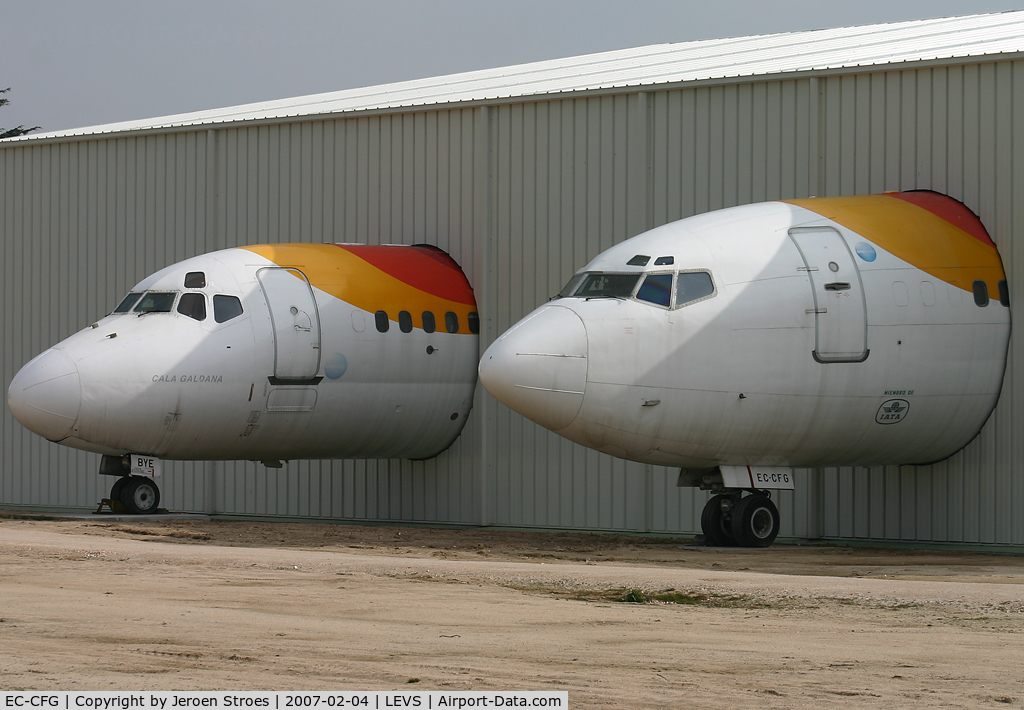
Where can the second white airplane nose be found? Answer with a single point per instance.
(46, 394)
(539, 367)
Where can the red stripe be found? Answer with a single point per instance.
(948, 209)
(426, 268)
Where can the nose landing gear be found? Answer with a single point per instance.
(729, 520)
(138, 495)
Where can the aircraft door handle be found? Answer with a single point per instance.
(838, 286)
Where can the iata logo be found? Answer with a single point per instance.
(892, 411)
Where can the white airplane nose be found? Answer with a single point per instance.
(45, 395)
(539, 367)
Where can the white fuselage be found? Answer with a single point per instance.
(784, 364)
(298, 373)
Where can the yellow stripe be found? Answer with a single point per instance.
(345, 276)
(916, 236)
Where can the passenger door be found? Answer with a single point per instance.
(296, 324)
(840, 311)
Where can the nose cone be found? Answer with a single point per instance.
(45, 395)
(539, 367)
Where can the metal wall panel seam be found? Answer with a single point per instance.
(1003, 190)
(482, 207)
(1013, 261)
(10, 355)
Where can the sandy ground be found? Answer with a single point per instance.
(190, 605)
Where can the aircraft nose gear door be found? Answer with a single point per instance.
(840, 312)
(296, 324)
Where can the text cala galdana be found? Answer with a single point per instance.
(201, 379)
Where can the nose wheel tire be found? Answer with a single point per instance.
(755, 521)
(140, 495)
(716, 523)
(118, 488)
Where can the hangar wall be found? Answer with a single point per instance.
(521, 193)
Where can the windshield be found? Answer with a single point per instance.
(570, 288)
(693, 286)
(657, 289)
(601, 286)
(126, 305)
(154, 302)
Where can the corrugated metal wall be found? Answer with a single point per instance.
(521, 194)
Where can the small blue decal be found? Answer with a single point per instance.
(335, 366)
(865, 251)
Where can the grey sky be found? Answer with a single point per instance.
(74, 64)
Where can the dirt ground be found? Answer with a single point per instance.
(194, 605)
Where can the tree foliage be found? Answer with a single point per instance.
(16, 131)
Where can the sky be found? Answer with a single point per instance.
(71, 63)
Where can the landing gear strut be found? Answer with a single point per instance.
(729, 519)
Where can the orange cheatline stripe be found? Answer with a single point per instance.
(350, 278)
(916, 235)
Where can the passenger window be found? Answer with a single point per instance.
(900, 294)
(664, 261)
(429, 326)
(152, 302)
(656, 289)
(980, 293)
(1004, 293)
(927, 293)
(195, 279)
(405, 321)
(226, 307)
(692, 286)
(193, 305)
(451, 322)
(126, 305)
(382, 321)
(474, 322)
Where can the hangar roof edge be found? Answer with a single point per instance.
(648, 66)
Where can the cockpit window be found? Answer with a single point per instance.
(226, 307)
(693, 286)
(606, 286)
(156, 302)
(638, 260)
(126, 305)
(656, 289)
(193, 305)
(570, 288)
(195, 279)
(664, 260)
